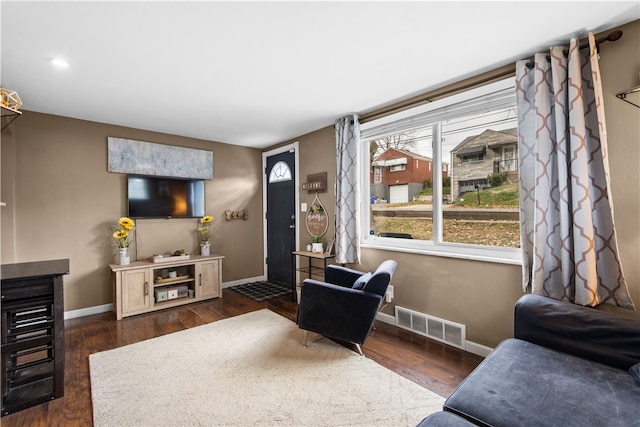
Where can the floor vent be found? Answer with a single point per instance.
(433, 327)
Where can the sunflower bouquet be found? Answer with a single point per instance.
(123, 235)
(204, 228)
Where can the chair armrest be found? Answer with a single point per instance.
(343, 276)
(337, 312)
(603, 337)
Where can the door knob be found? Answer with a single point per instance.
(292, 226)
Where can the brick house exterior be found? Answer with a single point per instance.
(398, 175)
(479, 156)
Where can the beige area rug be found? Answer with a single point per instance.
(250, 370)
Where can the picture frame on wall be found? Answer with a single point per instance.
(329, 247)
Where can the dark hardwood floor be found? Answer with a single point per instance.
(437, 367)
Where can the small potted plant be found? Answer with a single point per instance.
(172, 273)
(316, 246)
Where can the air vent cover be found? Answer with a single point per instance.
(432, 327)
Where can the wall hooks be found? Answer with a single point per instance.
(229, 215)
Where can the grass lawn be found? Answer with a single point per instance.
(490, 233)
(502, 197)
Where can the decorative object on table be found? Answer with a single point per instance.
(316, 246)
(309, 247)
(204, 231)
(329, 247)
(317, 224)
(123, 236)
(177, 255)
(229, 215)
(169, 257)
(173, 273)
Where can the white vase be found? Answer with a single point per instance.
(205, 248)
(316, 248)
(123, 256)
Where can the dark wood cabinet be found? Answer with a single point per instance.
(32, 333)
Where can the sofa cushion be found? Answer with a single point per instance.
(361, 281)
(444, 419)
(635, 373)
(524, 384)
(604, 337)
(380, 279)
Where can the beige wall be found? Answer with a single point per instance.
(481, 295)
(65, 203)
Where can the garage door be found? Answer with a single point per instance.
(399, 193)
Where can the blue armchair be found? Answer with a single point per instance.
(344, 306)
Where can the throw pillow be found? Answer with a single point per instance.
(635, 373)
(361, 281)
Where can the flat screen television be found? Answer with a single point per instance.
(160, 197)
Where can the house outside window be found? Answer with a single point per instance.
(403, 176)
(468, 204)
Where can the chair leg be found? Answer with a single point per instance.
(359, 350)
(306, 338)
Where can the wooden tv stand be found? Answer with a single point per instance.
(143, 286)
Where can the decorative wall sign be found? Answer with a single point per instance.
(317, 218)
(316, 183)
(148, 158)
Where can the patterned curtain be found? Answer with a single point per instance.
(568, 236)
(347, 136)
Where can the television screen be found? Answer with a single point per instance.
(158, 197)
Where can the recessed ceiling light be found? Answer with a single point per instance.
(60, 63)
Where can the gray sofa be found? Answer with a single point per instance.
(567, 365)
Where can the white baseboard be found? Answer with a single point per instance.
(72, 314)
(243, 281)
(479, 349)
(386, 318)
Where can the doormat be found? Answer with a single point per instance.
(262, 291)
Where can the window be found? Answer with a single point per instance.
(377, 174)
(280, 172)
(467, 204)
(396, 168)
(472, 158)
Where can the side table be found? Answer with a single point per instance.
(310, 270)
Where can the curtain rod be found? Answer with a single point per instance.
(503, 72)
(611, 37)
(443, 92)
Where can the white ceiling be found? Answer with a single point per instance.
(259, 73)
